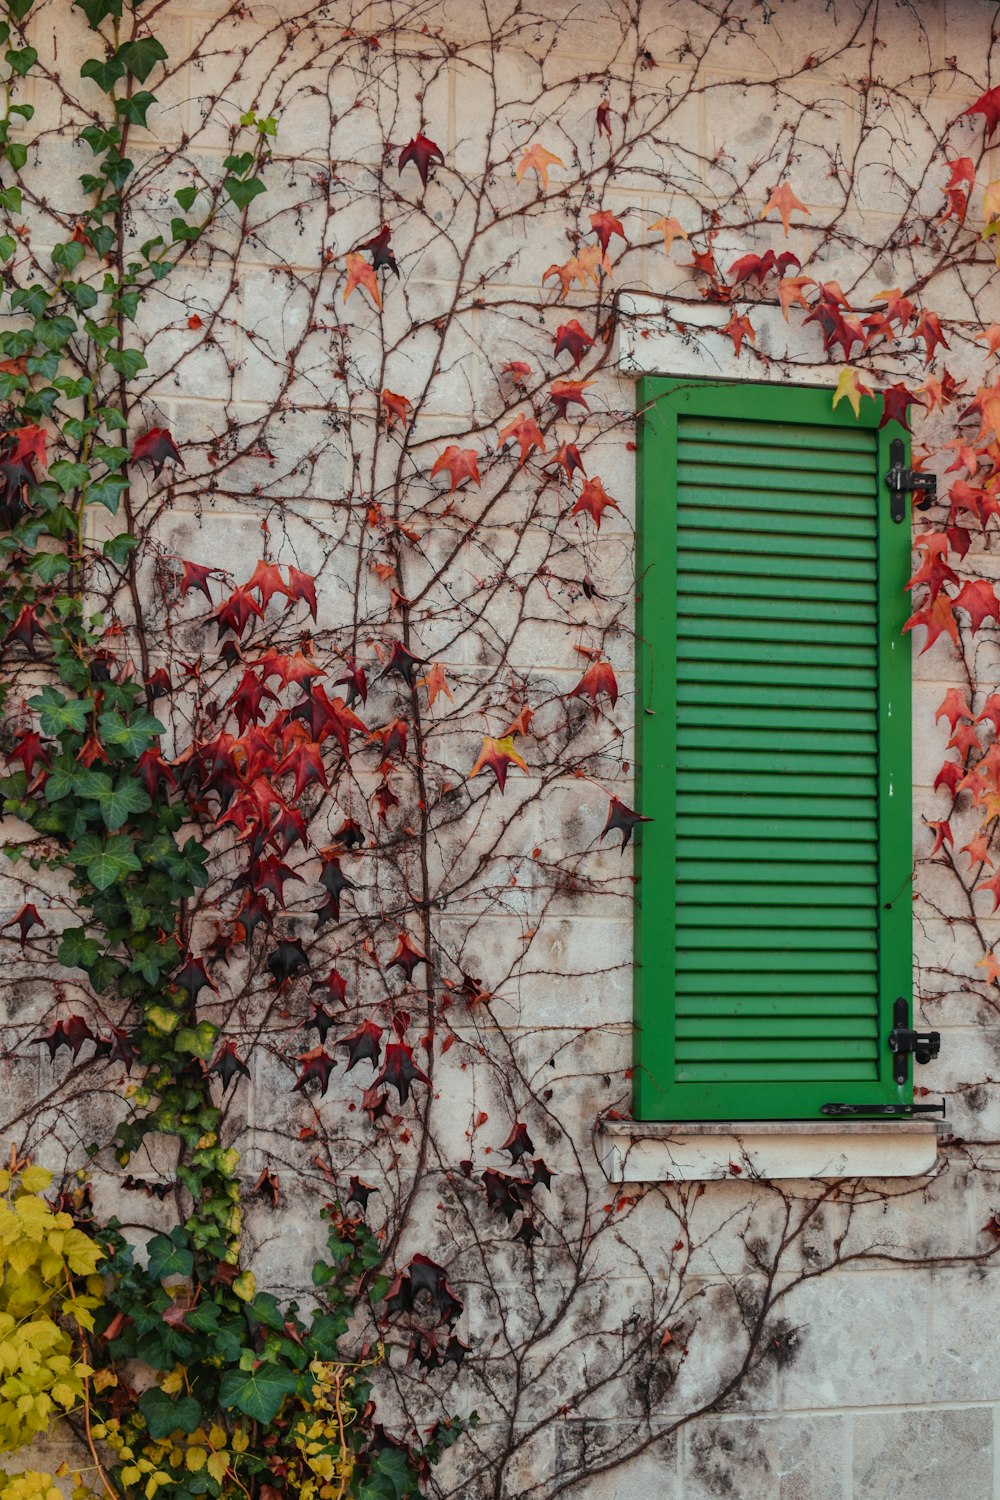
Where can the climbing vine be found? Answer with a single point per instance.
(318, 591)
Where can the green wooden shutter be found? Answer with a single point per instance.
(773, 905)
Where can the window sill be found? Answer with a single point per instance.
(637, 1151)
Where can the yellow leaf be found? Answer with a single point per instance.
(195, 1459)
(245, 1286)
(850, 386)
(241, 1441)
(218, 1466)
(217, 1438)
(33, 1179)
(991, 202)
(103, 1379)
(174, 1382)
(21, 1256)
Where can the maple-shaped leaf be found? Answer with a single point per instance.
(356, 681)
(301, 586)
(395, 408)
(235, 613)
(423, 153)
(624, 818)
(287, 960)
(71, 1033)
(604, 118)
(593, 501)
(349, 834)
(598, 678)
(792, 289)
(25, 918)
(267, 580)
(526, 433)
(155, 447)
(227, 1065)
(991, 337)
(362, 1044)
(423, 1284)
(334, 882)
(31, 751)
(270, 875)
(317, 1065)
(518, 1142)
(896, 403)
(978, 599)
(406, 956)
(195, 576)
(954, 707)
(528, 1231)
(267, 1186)
(943, 834)
(739, 328)
(29, 443)
(987, 105)
(403, 663)
(380, 252)
(322, 1020)
(784, 200)
(393, 741)
(335, 986)
(461, 464)
(851, 387)
(567, 457)
(246, 700)
(518, 370)
(962, 170)
(928, 328)
(436, 683)
(399, 1070)
(158, 684)
(502, 1193)
(536, 159)
(384, 799)
(360, 1191)
(192, 978)
(604, 225)
(948, 777)
(540, 1175)
(670, 229)
(938, 618)
(566, 393)
(305, 763)
(498, 755)
(573, 339)
(361, 274)
(26, 629)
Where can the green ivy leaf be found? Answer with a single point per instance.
(105, 74)
(104, 973)
(185, 197)
(77, 950)
(141, 56)
(97, 11)
(22, 61)
(169, 1256)
(243, 191)
(49, 565)
(68, 255)
(107, 492)
(112, 418)
(199, 1041)
(119, 801)
(132, 737)
(57, 714)
(10, 199)
(8, 245)
(68, 476)
(134, 109)
(106, 861)
(265, 1309)
(54, 333)
(127, 362)
(165, 1416)
(19, 8)
(391, 1477)
(117, 548)
(259, 1393)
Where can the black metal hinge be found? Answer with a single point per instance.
(902, 480)
(903, 1041)
(892, 1111)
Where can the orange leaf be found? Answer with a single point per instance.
(435, 683)
(670, 229)
(360, 273)
(460, 463)
(394, 407)
(526, 431)
(784, 200)
(594, 501)
(498, 755)
(536, 159)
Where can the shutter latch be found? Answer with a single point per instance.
(902, 480)
(903, 1040)
(891, 1111)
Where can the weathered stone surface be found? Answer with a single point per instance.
(924, 1454)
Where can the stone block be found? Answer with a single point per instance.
(791, 1458)
(924, 1454)
(617, 1461)
(966, 1363)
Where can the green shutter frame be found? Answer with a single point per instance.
(773, 903)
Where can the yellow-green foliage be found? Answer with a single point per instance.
(31, 1485)
(40, 1375)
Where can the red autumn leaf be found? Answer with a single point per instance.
(897, 401)
(991, 712)
(26, 629)
(421, 1286)
(962, 170)
(987, 105)
(195, 576)
(933, 574)
(953, 707)
(948, 777)
(518, 370)
(317, 1065)
(92, 750)
(604, 225)
(399, 1070)
(381, 253)
(194, 322)
(979, 601)
(235, 613)
(30, 751)
(784, 200)
(526, 433)
(406, 956)
(938, 618)
(993, 886)
(604, 118)
(395, 408)
(228, 1065)
(393, 741)
(740, 328)
(519, 1142)
(24, 919)
(594, 501)
(30, 444)
(301, 586)
(360, 1191)
(384, 799)
(286, 961)
(928, 328)
(964, 740)
(403, 663)
(497, 755)
(334, 882)
(362, 1044)
(423, 153)
(598, 678)
(71, 1033)
(267, 580)
(436, 683)
(567, 457)
(565, 393)
(460, 463)
(625, 818)
(155, 447)
(267, 1186)
(305, 763)
(943, 833)
(573, 339)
